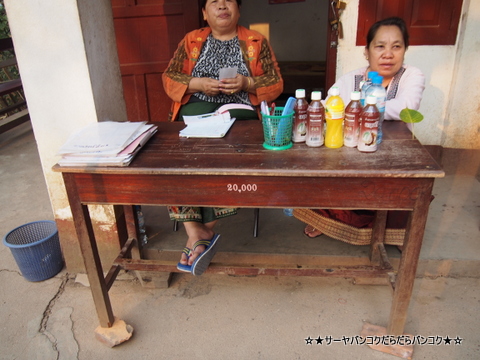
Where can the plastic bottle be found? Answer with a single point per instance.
(300, 120)
(364, 85)
(334, 115)
(370, 117)
(316, 117)
(377, 90)
(351, 127)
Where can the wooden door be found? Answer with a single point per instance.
(429, 22)
(147, 33)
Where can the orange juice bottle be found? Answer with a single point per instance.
(334, 115)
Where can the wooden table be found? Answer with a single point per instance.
(236, 171)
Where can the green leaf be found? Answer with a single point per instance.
(410, 116)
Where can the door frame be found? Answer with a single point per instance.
(332, 46)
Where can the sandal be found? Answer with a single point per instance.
(311, 232)
(203, 260)
(185, 267)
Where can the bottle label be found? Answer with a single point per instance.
(315, 130)
(381, 104)
(300, 127)
(336, 114)
(371, 125)
(367, 140)
(351, 130)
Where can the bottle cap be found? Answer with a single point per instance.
(377, 79)
(371, 74)
(300, 93)
(355, 95)
(316, 95)
(371, 100)
(334, 91)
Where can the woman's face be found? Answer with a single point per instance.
(386, 52)
(221, 15)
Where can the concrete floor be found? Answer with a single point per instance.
(218, 317)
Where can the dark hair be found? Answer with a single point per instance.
(392, 21)
(204, 3)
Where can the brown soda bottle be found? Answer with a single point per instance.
(316, 118)
(299, 133)
(351, 126)
(370, 117)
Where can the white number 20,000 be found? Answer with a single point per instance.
(242, 187)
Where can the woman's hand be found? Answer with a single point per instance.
(208, 86)
(212, 87)
(233, 85)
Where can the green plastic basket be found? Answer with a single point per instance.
(277, 130)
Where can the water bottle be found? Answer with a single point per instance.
(377, 90)
(288, 212)
(364, 85)
(143, 238)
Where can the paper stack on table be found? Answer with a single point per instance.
(213, 125)
(107, 143)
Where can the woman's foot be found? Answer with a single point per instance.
(311, 232)
(193, 253)
(183, 263)
(196, 231)
(185, 256)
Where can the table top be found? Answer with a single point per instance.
(241, 152)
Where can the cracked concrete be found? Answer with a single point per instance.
(48, 310)
(217, 316)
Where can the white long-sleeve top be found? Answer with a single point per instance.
(405, 89)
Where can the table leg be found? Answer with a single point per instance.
(409, 261)
(131, 221)
(91, 259)
(149, 279)
(378, 236)
(133, 230)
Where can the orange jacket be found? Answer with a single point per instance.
(257, 53)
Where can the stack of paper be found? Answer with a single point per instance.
(107, 143)
(213, 125)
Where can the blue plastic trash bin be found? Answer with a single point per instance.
(36, 249)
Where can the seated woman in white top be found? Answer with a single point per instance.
(387, 42)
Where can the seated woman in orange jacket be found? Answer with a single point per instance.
(192, 82)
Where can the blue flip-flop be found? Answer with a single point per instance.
(203, 260)
(185, 267)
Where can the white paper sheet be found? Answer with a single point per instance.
(211, 125)
(108, 137)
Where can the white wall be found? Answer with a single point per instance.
(67, 56)
(462, 123)
(450, 103)
(65, 88)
